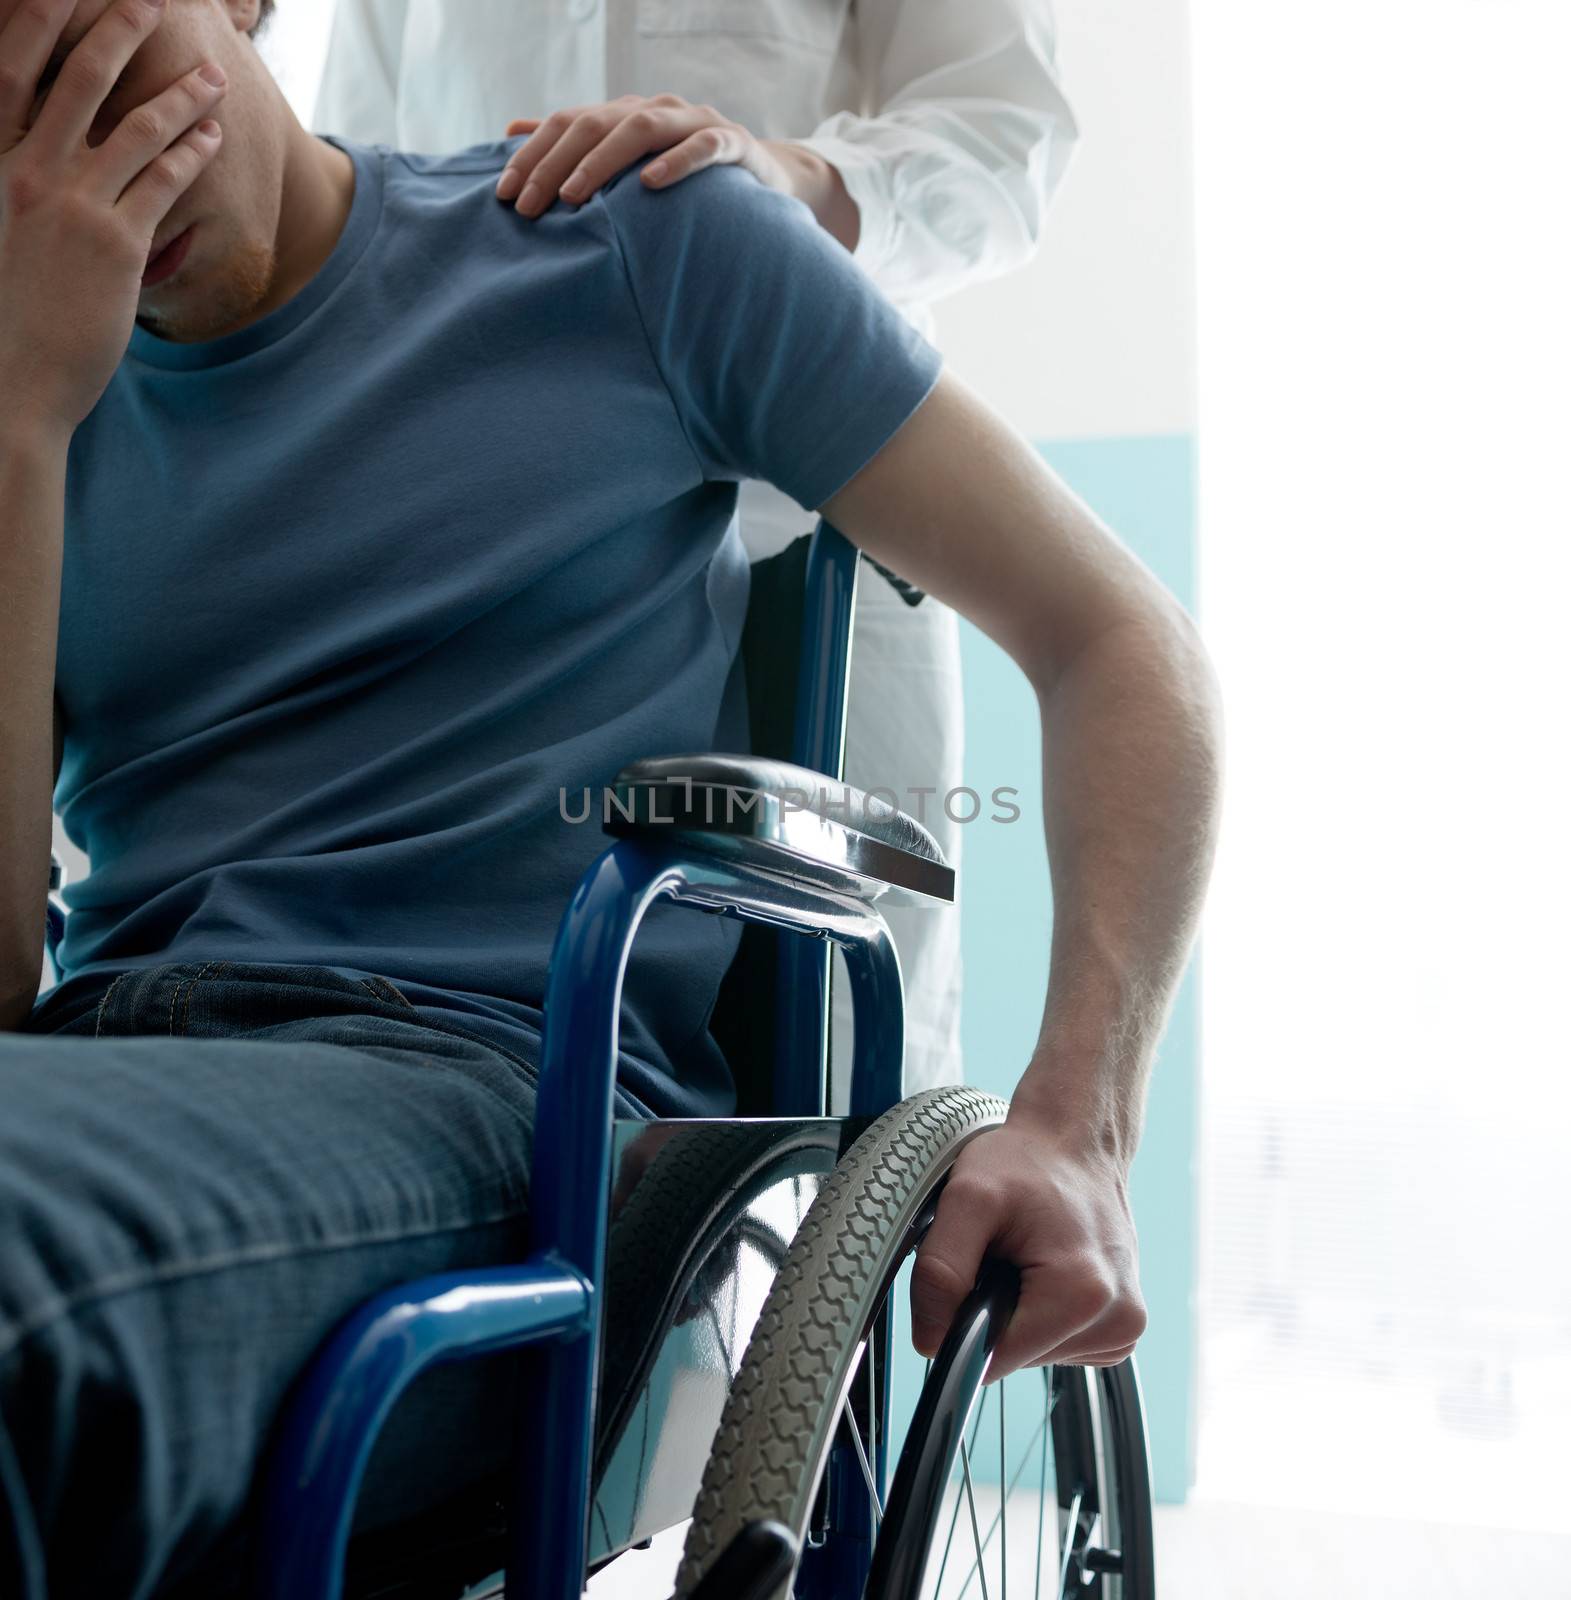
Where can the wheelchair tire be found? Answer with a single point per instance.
(780, 1421)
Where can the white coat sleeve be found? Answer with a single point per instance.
(358, 97)
(967, 137)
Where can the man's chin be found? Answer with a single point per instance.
(205, 300)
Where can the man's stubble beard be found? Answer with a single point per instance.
(228, 300)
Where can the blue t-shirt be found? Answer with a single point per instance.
(352, 595)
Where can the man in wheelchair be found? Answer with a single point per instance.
(347, 521)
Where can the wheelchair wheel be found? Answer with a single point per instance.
(794, 1406)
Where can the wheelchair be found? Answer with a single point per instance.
(705, 1325)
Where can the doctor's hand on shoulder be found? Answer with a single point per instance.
(570, 153)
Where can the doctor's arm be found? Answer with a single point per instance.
(952, 170)
(945, 183)
(1132, 751)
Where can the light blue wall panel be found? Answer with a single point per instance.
(1144, 489)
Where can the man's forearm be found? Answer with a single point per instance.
(962, 505)
(32, 511)
(1132, 756)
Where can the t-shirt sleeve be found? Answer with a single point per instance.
(783, 360)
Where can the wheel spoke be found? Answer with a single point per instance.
(976, 1533)
(1069, 1542)
(954, 1519)
(1041, 1432)
(1003, 1491)
(861, 1456)
(872, 1416)
(1041, 1501)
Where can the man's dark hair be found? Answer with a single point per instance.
(265, 11)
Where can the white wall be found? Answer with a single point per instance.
(1096, 336)
(1385, 337)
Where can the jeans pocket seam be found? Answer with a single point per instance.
(388, 992)
(103, 1004)
(184, 989)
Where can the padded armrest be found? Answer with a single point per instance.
(794, 821)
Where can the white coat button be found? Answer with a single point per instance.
(582, 10)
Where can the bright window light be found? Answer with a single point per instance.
(1385, 574)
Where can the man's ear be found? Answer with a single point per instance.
(245, 14)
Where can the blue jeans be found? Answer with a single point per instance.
(202, 1171)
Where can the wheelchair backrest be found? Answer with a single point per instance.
(795, 650)
(745, 1020)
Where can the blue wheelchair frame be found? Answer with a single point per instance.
(553, 1301)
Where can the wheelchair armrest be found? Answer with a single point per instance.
(791, 821)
